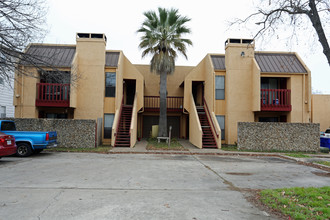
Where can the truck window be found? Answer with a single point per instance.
(8, 126)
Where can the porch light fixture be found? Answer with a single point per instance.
(242, 54)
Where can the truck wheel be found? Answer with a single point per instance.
(23, 150)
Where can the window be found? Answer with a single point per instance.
(221, 122)
(8, 126)
(268, 119)
(108, 121)
(61, 77)
(1, 81)
(57, 115)
(110, 84)
(2, 111)
(220, 87)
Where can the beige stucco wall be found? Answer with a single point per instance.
(90, 88)
(299, 99)
(174, 80)
(238, 88)
(321, 111)
(25, 94)
(196, 74)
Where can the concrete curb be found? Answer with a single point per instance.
(140, 148)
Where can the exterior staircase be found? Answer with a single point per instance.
(123, 138)
(208, 138)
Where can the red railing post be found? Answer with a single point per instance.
(275, 99)
(209, 114)
(51, 94)
(174, 103)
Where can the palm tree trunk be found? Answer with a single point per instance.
(162, 126)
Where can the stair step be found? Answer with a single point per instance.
(122, 145)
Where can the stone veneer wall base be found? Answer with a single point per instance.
(273, 136)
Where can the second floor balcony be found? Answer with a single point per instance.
(53, 95)
(174, 103)
(275, 100)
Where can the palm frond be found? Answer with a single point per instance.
(162, 38)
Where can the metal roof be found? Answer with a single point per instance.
(279, 63)
(111, 59)
(268, 62)
(50, 55)
(218, 62)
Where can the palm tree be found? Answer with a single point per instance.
(162, 38)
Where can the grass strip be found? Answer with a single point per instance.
(100, 149)
(298, 155)
(154, 145)
(326, 163)
(299, 203)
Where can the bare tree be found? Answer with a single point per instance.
(23, 22)
(276, 14)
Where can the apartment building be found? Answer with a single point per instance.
(204, 102)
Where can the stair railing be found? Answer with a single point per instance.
(117, 121)
(210, 119)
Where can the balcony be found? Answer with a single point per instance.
(275, 100)
(53, 95)
(174, 103)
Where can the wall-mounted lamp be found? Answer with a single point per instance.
(242, 54)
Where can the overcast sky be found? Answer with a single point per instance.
(120, 19)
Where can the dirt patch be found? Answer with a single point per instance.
(240, 174)
(321, 174)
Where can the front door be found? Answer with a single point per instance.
(129, 91)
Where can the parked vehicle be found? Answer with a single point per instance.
(7, 145)
(327, 133)
(29, 142)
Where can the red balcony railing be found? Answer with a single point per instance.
(53, 95)
(174, 103)
(275, 99)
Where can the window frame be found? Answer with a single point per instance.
(3, 111)
(110, 88)
(220, 96)
(223, 130)
(106, 134)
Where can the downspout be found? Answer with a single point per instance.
(22, 94)
(304, 101)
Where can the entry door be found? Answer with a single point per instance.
(130, 91)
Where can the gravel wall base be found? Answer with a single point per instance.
(272, 136)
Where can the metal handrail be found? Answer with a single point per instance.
(121, 109)
(173, 102)
(209, 114)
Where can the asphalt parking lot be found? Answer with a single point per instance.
(143, 186)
